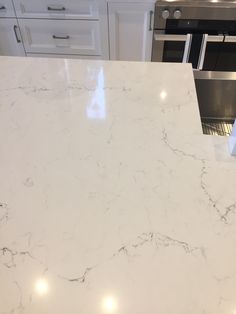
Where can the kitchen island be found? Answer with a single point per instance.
(111, 198)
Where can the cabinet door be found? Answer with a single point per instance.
(131, 31)
(61, 37)
(6, 8)
(10, 38)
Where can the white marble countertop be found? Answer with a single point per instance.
(111, 199)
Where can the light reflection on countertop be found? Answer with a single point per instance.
(41, 286)
(96, 108)
(109, 304)
(163, 94)
(111, 198)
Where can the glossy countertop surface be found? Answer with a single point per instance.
(111, 198)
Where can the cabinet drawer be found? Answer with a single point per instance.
(45, 55)
(63, 9)
(6, 9)
(55, 36)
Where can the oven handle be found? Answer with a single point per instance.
(187, 48)
(202, 52)
(215, 38)
(169, 37)
(230, 39)
(207, 39)
(175, 37)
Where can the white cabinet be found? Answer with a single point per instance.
(6, 8)
(65, 9)
(77, 28)
(61, 37)
(130, 30)
(64, 27)
(10, 38)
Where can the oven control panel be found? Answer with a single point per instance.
(177, 10)
(166, 14)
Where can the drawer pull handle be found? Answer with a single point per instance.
(150, 20)
(61, 37)
(2, 8)
(56, 9)
(15, 28)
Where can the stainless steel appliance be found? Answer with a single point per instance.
(202, 33)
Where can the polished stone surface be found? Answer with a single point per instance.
(111, 198)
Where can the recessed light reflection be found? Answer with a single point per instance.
(41, 286)
(109, 304)
(96, 108)
(163, 94)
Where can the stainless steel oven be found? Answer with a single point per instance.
(202, 33)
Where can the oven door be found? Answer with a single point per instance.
(215, 82)
(218, 53)
(171, 47)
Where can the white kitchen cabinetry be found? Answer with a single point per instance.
(67, 37)
(10, 38)
(66, 9)
(130, 30)
(6, 8)
(65, 27)
(77, 29)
